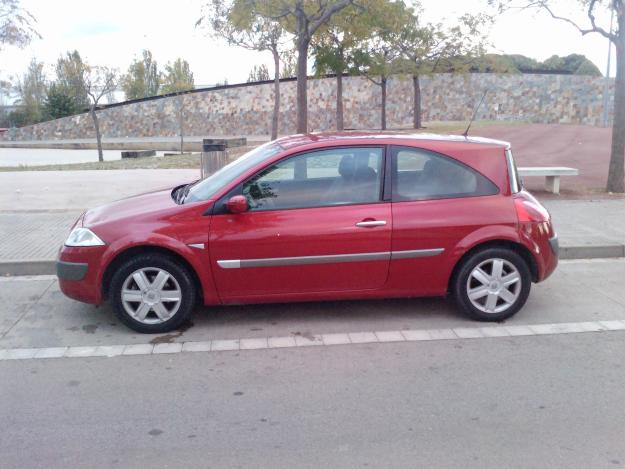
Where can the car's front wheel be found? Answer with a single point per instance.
(152, 293)
(492, 284)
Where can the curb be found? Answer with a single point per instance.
(597, 251)
(15, 268)
(19, 267)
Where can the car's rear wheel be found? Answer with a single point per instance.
(152, 293)
(492, 284)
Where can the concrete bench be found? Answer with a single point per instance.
(552, 175)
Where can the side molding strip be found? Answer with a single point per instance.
(329, 259)
(416, 253)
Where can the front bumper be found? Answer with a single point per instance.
(79, 272)
(73, 271)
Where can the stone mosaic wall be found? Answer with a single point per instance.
(246, 110)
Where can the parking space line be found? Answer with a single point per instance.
(325, 340)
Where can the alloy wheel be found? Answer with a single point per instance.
(494, 285)
(151, 295)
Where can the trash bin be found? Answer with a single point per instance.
(214, 157)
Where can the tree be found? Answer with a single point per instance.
(32, 89)
(57, 104)
(378, 56)
(289, 64)
(237, 22)
(70, 78)
(426, 48)
(16, 24)
(258, 73)
(334, 47)
(142, 79)
(99, 81)
(302, 18)
(177, 77)
(616, 171)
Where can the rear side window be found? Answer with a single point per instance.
(421, 175)
(515, 180)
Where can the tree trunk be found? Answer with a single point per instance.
(181, 122)
(339, 101)
(302, 79)
(416, 118)
(616, 174)
(276, 95)
(383, 85)
(98, 136)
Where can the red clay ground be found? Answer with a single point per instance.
(578, 146)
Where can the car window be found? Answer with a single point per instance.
(421, 174)
(336, 176)
(206, 188)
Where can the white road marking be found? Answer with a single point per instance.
(326, 340)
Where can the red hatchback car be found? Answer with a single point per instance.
(320, 217)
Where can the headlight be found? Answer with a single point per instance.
(81, 237)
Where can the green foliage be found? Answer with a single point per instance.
(177, 77)
(237, 22)
(142, 79)
(58, 104)
(18, 118)
(576, 64)
(573, 64)
(335, 45)
(32, 91)
(258, 73)
(379, 54)
(16, 24)
(70, 78)
(289, 64)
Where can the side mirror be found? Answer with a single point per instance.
(237, 204)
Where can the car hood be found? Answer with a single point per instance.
(137, 208)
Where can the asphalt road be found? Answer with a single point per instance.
(551, 400)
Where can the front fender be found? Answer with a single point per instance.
(198, 259)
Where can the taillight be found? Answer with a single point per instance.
(530, 211)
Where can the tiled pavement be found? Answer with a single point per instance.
(37, 235)
(34, 235)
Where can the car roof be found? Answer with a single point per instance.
(348, 138)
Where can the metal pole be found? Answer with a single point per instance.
(606, 86)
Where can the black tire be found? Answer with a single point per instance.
(459, 285)
(180, 274)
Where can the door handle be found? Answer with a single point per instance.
(370, 223)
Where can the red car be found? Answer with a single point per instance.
(320, 217)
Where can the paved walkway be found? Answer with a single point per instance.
(585, 228)
(78, 190)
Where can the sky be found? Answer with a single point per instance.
(116, 33)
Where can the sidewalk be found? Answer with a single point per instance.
(37, 211)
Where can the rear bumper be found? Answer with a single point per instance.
(543, 247)
(555, 245)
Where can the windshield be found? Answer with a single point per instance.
(207, 188)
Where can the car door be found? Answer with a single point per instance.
(316, 223)
(437, 202)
